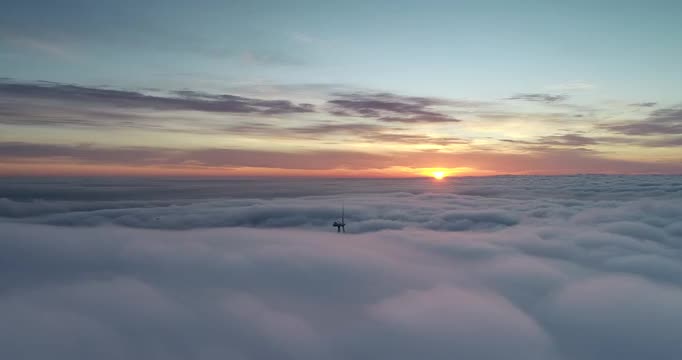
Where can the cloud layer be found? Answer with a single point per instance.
(582, 267)
(323, 129)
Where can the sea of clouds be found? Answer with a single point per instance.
(559, 268)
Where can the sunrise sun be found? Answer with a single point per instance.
(438, 175)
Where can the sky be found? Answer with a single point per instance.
(483, 268)
(340, 88)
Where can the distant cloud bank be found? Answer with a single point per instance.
(73, 129)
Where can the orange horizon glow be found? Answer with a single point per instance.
(81, 169)
(85, 169)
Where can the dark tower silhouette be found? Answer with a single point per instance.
(340, 225)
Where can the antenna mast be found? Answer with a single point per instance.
(343, 208)
(341, 225)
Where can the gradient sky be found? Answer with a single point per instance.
(343, 88)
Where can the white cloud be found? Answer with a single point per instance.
(572, 86)
(534, 268)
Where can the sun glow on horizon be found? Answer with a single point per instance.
(440, 173)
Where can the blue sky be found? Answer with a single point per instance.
(604, 55)
(482, 49)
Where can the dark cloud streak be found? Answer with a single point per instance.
(662, 121)
(645, 104)
(558, 140)
(539, 97)
(388, 107)
(184, 100)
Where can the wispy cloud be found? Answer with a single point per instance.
(51, 48)
(357, 132)
(572, 86)
(19, 95)
(415, 139)
(351, 128)
(560, 140)
(666, 142)
(645, 104)
(260, 57)
(539, 97)
(661, 121)
(388, 107)
(305, 38)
